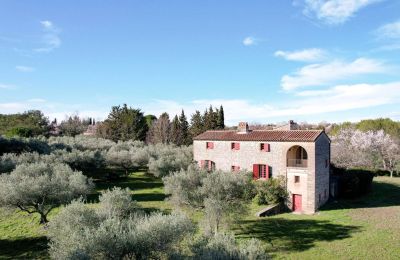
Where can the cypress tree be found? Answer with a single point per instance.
(176, 133)
(184, 127)
(221, 118)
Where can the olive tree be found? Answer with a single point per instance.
(222, 196)
(83, 232)
(165, 159)
(40, 187)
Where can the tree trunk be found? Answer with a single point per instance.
(43, 219)
(391, 174)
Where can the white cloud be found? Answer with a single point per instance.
(47, 24)
(24, 68)
(248, 41)
(50, 39)
(6, 86)
(389, 31)
(334, 11)
(334, 99)
(328, 73)
(306, 55)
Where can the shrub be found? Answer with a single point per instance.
(271, 191)
(224, 246)
(352, 182)
(117, 202)
(82, 232)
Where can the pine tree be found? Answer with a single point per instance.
(221, 118)
(184, 125)
(197, 124)
(176, 131)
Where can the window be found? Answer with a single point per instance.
(326, 193)
(235, 168)
(264, 147)
(209, 145)
(296, 179)
(207, 164)
(326, 163)
(260, 171)
(235, 146)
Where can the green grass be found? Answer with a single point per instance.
(365, 228)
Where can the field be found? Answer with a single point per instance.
(366, 228)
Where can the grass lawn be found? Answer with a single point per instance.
(366, 228)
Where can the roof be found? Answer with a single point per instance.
(261, 135)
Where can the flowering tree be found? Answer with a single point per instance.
(371, 149)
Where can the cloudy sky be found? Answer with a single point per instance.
(264, 61)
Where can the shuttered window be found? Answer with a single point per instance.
(235, 168)
(260, 171)
(235, 146)
(209, 145)
(264, 147)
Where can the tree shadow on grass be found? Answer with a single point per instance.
(383, 194)
(24, 248)
(292, 234)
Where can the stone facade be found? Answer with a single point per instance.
(307, 177)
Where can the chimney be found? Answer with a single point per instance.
(291, 125)
(243, 128)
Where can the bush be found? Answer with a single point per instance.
(20, 132)
(224, 246)
(271, 191)
(352, 182)
(83, 232)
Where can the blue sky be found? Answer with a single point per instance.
(265, 61)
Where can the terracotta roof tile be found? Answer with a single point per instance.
(261, 135)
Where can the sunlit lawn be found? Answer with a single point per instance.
(366, 228)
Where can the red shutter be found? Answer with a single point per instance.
(256, 172)
(202, 163)
(266, 147)
(267, 171)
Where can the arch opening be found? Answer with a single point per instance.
(296, 156)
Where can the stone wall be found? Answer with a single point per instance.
(314, 179)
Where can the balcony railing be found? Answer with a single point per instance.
(301, 163)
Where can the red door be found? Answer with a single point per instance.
(296, 202)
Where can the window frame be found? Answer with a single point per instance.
(297, 179)
(209, 145)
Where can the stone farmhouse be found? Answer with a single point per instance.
(302, 157)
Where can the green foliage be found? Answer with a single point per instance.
(20, 132)
(33, 121)
(196, 124)
(271, 191)
(386, 124)
(165, 159)
(224, 246)
(223, 196)
(74, 125)
(81, 232)
(389, 126)
(184, 127)
(124, 123)
(117, 202)
(40, 187)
